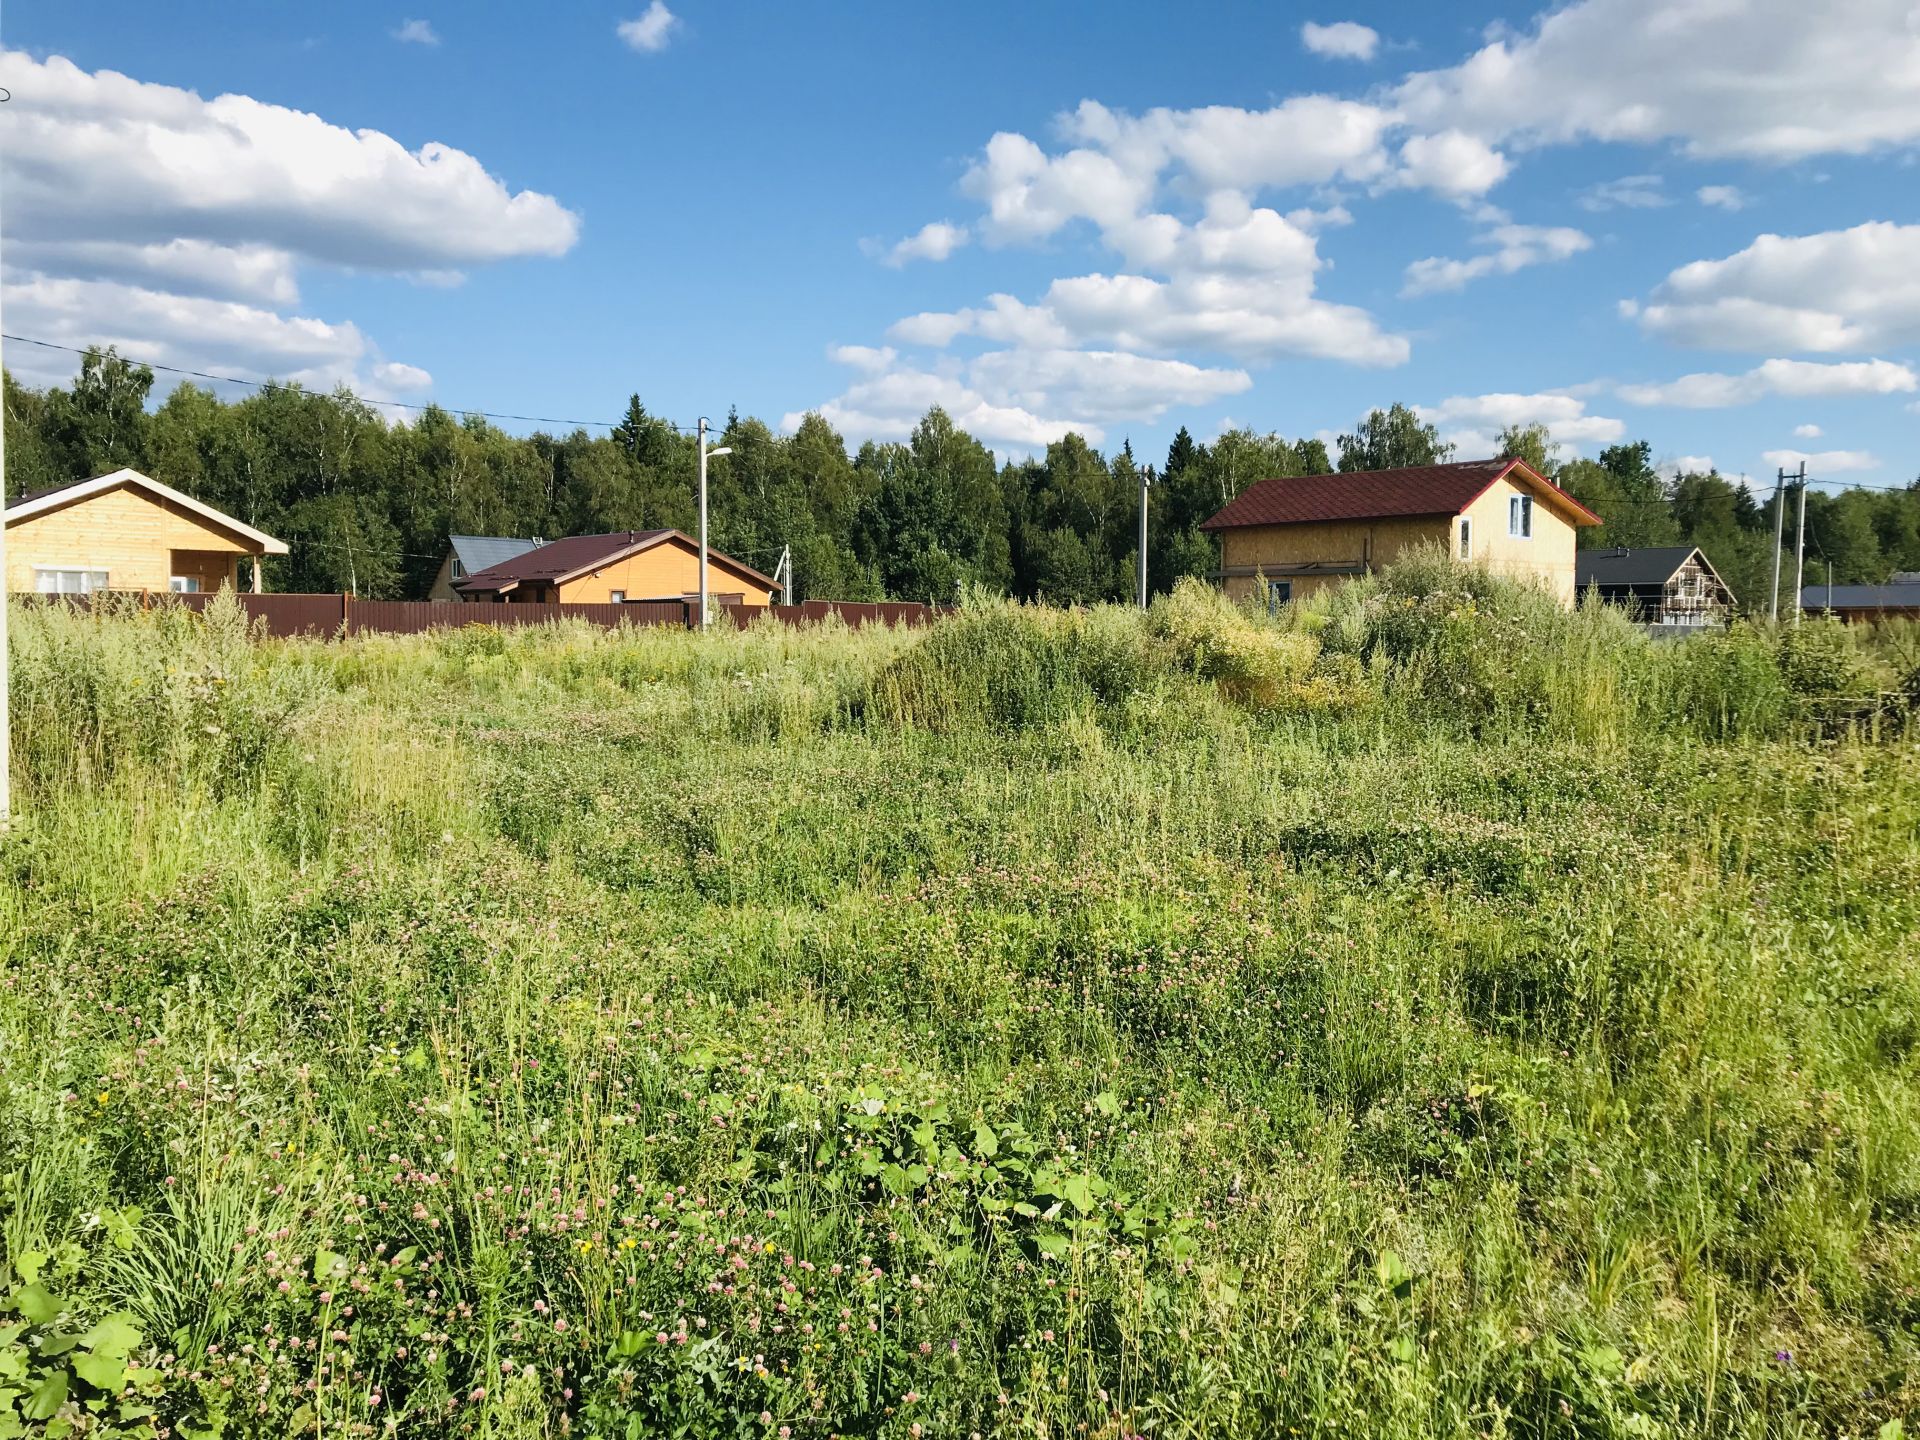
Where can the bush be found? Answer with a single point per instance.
(1208, 636)
(192, 693)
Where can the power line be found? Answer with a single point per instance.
(269, 385)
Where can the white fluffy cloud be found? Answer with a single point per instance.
(175, 225)
(1721, 197)
(1823, 463)
(1800, 379)
(651, 31)
(1473, 422)
(1629, 192)
(1687, 465)
(1807, 432)
(1774, 80)
(935, 240)
(1837, 291)
(193, 332)
(1451, 163)
(101, 154)
(1342, 40)
(416, 32)
(871, 358)
(1514, 247)
(1020, 398)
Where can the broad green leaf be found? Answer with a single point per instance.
(116, 1335)
(1108, 1102)
(1079, 1192)
(36, 1304)
(326, 1263)
(30, 1263)
(986, 1144)
(48, 1396)
(103, 1372)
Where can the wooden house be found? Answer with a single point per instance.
(127, 531)
(609, 569)
(1284, 538)
(1659, 584)
(469, 555)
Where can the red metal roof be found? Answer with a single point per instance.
(1380, 494)
(561, 560)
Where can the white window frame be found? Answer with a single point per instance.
(616, 597)
(1519, 517)
(459, 571)
(184, 584)
(1279, 592)
(1466, 537)
(90, 579)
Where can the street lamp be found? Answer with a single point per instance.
(705, 454)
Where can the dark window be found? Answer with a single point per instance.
(1279, 592)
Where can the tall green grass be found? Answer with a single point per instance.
(1427, 1012)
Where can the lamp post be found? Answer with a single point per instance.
(705, 454)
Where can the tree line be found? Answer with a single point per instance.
(366, 504)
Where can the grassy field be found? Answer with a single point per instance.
(1432, 1015)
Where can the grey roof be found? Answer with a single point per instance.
(1649, 565)
(1861, 597)
(477, 552)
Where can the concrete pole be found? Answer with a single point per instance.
(1800, 546)
(1779, 533)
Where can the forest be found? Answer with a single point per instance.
(366, 502)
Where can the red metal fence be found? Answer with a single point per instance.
(332, 615)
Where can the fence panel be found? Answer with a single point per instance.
(326, 616)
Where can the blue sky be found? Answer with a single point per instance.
(1691, 222)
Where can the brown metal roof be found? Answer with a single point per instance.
(561, 560)
(1379, 494)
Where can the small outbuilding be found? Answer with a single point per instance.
(127, 531)
(470, 554)
(1658, 584)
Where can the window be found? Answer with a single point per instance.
(184, 584)
(1466, 538)
(617, 597)
(1520, 517)
(459, 570)
(1279, 592)
(68, 582)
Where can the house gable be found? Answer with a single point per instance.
(136, 532)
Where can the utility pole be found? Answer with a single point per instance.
(1146, 480)
(1779, 533)
(1800, 547)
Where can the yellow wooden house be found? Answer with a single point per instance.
(127, 531)
(1282, 539)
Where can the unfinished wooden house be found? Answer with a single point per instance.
(1659, 584)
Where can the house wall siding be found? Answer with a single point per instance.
(1331, 542)
(125, 532)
